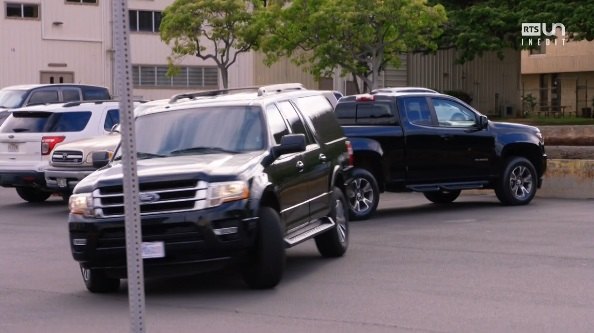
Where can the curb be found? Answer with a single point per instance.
(569, 179)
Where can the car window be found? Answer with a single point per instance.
(276, 123)
(112, 118)
(295, 122)
(43, 97)
(452, 114)
(32, 122)
(95, 94)
(12, 98)
(346, 113)
(70, 95)
(320, 113)
(417, 110)
(375, 114)
(67, 121)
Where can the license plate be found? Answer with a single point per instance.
(62, 182)
(13, 148)
(153, 250)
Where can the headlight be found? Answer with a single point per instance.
(540, 138)
(81, 204)
(219, 193)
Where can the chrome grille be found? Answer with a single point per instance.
(67, 157)
(155, 197)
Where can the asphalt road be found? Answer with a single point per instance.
(473, 266)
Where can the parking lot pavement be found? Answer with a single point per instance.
(473, 266)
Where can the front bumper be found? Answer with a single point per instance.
(65, 179)
(194, 241)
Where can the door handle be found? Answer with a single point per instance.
(323, 158)
(299, 166)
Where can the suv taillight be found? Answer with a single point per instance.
(49, 142)
(350, 153)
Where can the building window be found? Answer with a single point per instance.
(22, 10)
(145, 76)
(145, 20)
(83, 2)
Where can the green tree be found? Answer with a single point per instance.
(478, 26)
(359, 37)
(218, 30)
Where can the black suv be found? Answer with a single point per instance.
(416, 139)
(230, 175)
(13, 97)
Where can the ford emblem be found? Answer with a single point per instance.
(149, 197)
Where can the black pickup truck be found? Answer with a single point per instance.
(423, 141)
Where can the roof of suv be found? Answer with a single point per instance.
(40, 85)
(243, 96)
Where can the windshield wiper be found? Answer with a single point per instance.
(203, 150)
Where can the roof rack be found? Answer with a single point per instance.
(402, 89)
(209, 93)
(277, 88)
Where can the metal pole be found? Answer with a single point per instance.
(128, 146)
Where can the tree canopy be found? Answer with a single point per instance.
(359, 37)
(217, 30)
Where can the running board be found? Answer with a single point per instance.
(308, 230)
(447, 186)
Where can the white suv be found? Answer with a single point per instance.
(29, 135)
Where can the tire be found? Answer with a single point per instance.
(97, 282)
(266, 262)
(518, 182)
(334, 242)
(362, 195)
(31, 194)
(442, 196)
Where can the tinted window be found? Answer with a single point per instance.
(70, 95)
(95, 94)
(319, 110)
(417, 110)
(12, 98)
(375, 113)
(276, 123)
(43, 97)
(33, 122)
(346, 113)
(295, 122)
(112, 118)
(67, 122)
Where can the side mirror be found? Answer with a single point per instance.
(101, 158)
(483, 122)
(290, 143)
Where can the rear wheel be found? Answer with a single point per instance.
(266, 261)
(334, 242)
(362, 194)
(517, 185)
(97, 282)
(31, 194)
(442, 196)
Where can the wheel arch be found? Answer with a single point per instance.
(529, 151)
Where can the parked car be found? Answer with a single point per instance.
(29, 135)
(14, 97)
(71, 162)
(226, 176)
(424, 141)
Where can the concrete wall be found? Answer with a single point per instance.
(571, 179)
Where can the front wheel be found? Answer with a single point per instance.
(517, 185)
(442, 196)
(362, 194)
(265, 263)
(97, 282)
(31, 194)
(334, 242)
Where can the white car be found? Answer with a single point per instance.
(29, 135)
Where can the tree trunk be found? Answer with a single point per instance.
(224, 76)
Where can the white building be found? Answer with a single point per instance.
(72, 41)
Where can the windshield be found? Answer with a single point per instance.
(206, 130)
(10, 99)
